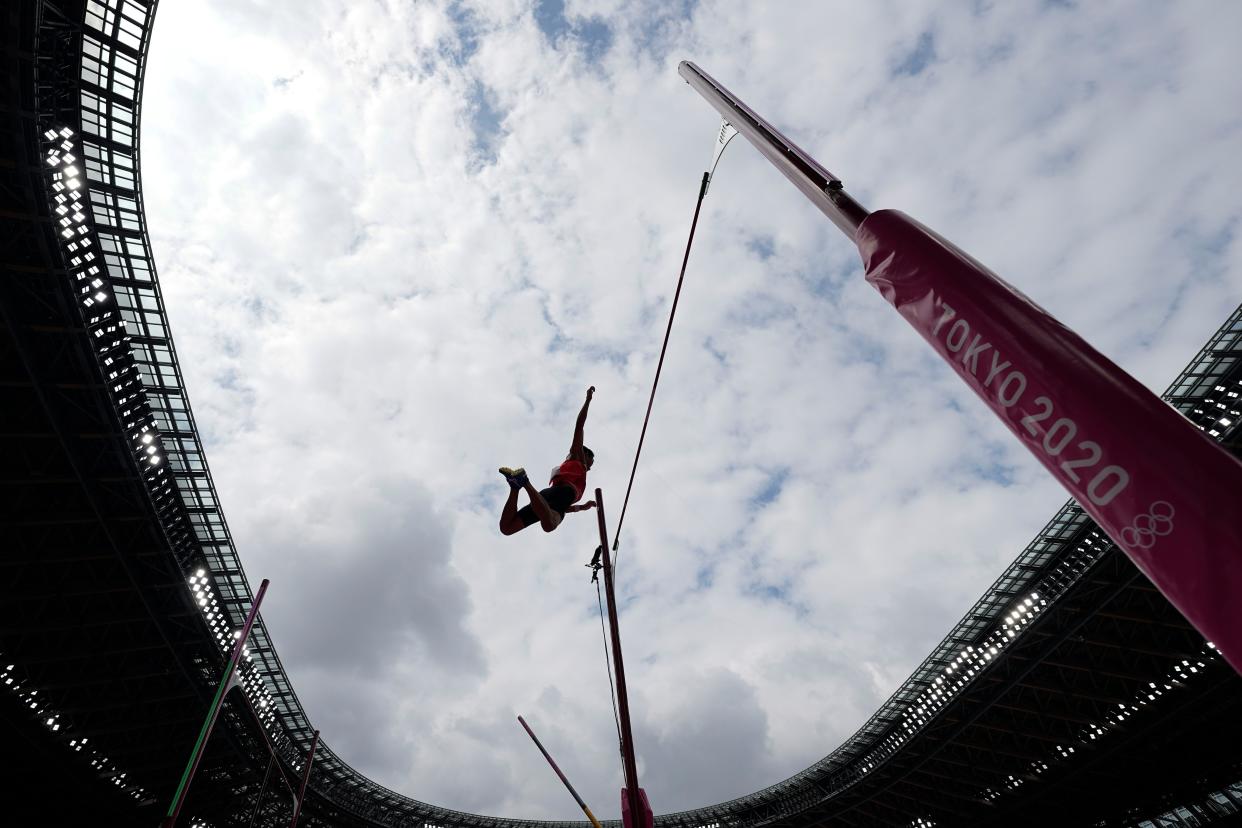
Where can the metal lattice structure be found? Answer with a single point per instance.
(1071, 690)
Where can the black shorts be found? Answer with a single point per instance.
(559, 498)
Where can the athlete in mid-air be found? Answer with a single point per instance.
(548, 506)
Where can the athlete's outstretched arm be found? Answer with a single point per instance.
(582, 507)
(575, 450)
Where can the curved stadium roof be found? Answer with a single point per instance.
(79, 66)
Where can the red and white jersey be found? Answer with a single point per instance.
(571, 473)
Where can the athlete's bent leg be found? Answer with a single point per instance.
(510, 524)
(549, 518)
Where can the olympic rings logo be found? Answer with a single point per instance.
(1157, 523)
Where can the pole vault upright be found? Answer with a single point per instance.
(1158, 486)
(822, 187)
(228, 683)
(635, 810)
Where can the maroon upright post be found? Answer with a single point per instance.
(228, 682)
(820, 186)
(633, 800)
(297, 806)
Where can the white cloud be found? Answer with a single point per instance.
(373, 313)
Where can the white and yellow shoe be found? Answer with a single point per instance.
(516, 477)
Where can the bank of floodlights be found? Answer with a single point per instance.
(60, 725)
(205, 596)
(1222, 407)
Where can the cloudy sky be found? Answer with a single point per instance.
(399, 240)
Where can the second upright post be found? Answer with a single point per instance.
(633, 801)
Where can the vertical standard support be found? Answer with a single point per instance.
(633, 797)
(297, 806)
(258, 803)
(816, 183)
(227, 683)
(552, 762)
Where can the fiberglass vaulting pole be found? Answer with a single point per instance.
(561, 774)
(1161, 488)
(634, 801)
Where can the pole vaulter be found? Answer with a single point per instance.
(1166, 493)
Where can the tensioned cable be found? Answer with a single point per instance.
(258, 803)
(660, 365)
(725, 136)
